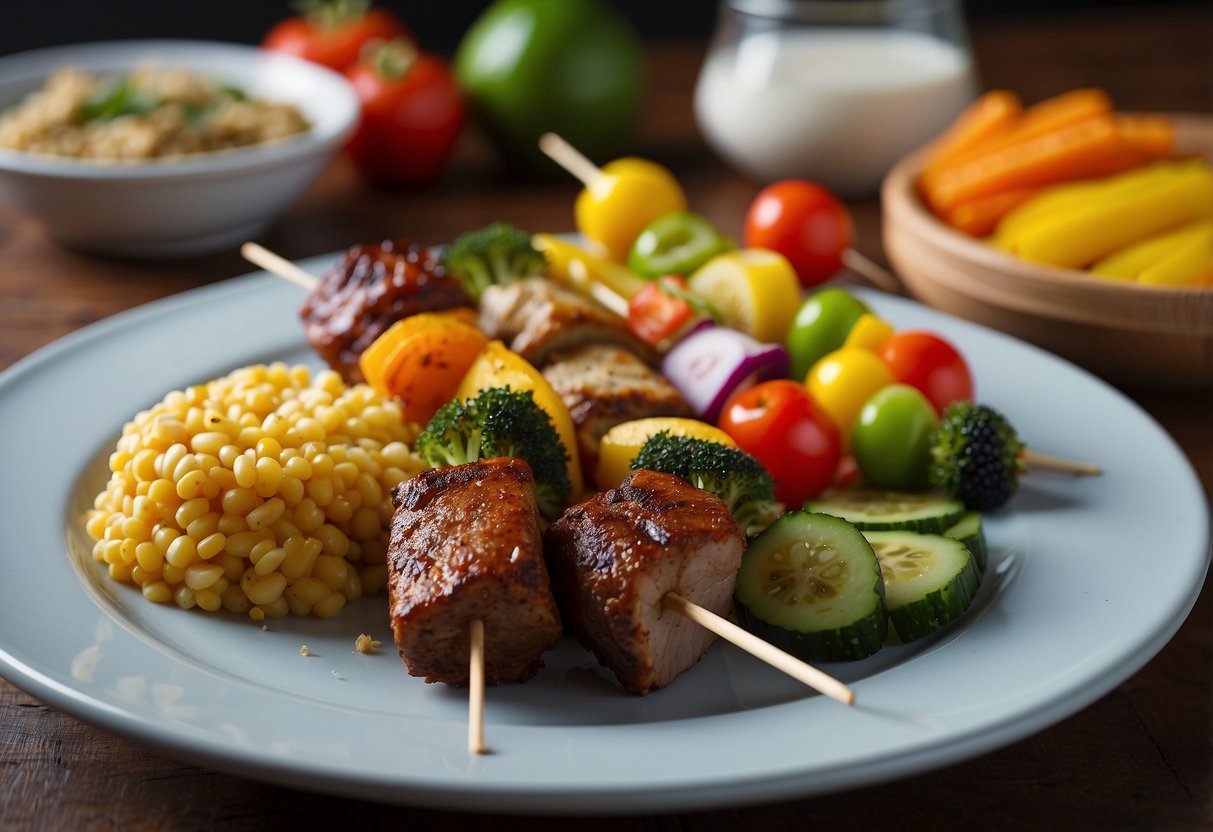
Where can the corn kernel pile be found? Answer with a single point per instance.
(265, 492)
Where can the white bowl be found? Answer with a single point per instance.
(187, 205)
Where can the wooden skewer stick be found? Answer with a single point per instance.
(277, 265)
(569, 158)
(476, 689)
(872, 273)
(1048, 462)
(772, 655)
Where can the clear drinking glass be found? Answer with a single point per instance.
(834, 91)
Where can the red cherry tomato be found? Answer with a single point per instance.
(805, 223)
(928, 362)
(336, 33)
(412, 113)
(779, 423)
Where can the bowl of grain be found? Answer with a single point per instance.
(1126, 332)
(163, 148)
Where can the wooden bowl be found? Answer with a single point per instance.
(1124, 332)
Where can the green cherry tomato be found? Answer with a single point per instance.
(891, 441)
(820, 327)
(572, 67)
(675, 243)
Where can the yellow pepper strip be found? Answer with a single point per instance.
(1129, 262)
(1058, 199)
(498, 366)
(1185, 265)
(625, 196)
(869, 332)
(420, 361)
(579, 269)
(1078, 237)
(755, 290)
(621, 443)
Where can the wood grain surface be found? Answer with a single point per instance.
(1139, 758)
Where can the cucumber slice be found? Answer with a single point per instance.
(968, 530)
(929, 580)
(876, 509)
(810, 584)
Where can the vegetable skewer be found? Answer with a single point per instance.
(573, 161)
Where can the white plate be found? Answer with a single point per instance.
(1089, 578)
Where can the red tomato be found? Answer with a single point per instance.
(658, 310)
(336, 33)
(779, 423)
(412, 113)
(928, 362)
(805, 223)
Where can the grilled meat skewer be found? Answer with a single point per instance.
(615, 556)
(465, 545)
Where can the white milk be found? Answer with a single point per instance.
(838, 108)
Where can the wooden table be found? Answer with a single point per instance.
(1138, 758)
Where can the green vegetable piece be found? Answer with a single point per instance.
(811, 585)
(820, 327)
(676, 243)
(120, 97)
(493, 255)
(500, 422)
(891, 440)
(572, 67)
(875, 509)
(731, 474)
(976, 456)
(929, 580)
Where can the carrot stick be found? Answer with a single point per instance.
(979, 217)
(990, 115)
(1041, 160)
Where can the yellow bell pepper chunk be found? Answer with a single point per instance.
(1185, 265)
(843, 380)
(1132, 261)
(621, 443)
(755, 290)
(627, 195)
(868, 332)
(499, 366)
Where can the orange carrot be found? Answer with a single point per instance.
(990, 115)
(979, 217)
(1041, 160)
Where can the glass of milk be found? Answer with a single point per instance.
(834, 91)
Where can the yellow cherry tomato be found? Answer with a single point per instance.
(621, 443)
(868, 333)
(843, 380)
(499, 366)
(755, 290)
(627, 195)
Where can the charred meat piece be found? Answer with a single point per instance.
(604, 385)
(535, 318)
(615, 556)
(369, 290)
(465, 544)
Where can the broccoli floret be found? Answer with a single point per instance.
(734, 476)
(976, 456)
(500, 422)
(497, 253)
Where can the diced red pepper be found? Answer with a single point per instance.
(658, 311)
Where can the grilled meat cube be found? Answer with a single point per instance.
(604, 385)
(369, 290)
(465, 544)
(615, 556)
(535, 318)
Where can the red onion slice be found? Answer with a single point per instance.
(711, 364)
